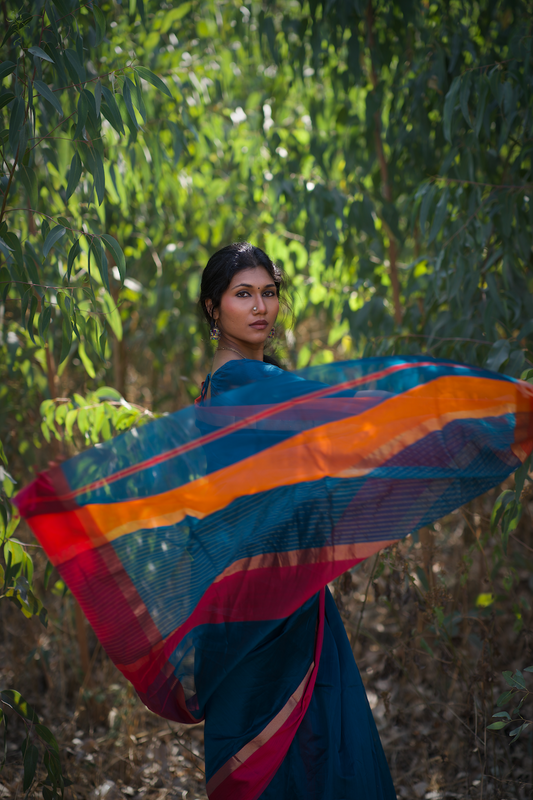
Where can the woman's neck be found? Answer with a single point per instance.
(230, 349)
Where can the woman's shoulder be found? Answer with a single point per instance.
(240, 372)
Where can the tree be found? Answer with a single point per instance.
(379, 150)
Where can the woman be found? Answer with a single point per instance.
(333, 751)
(200, 546)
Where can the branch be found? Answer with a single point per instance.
(523, 186)
(387, 189)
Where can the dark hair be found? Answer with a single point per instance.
(224, 265)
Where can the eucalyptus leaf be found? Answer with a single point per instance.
(47, 94)
(54, 236)
(39, 52)
(155, 80)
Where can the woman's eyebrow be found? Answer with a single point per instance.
(249, 286)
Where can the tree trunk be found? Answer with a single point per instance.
(386, 188)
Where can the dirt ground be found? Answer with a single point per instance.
(433, 623)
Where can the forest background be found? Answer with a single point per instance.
(380, 152)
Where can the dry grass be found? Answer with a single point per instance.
(432, 684)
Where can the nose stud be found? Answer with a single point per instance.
(255, 308)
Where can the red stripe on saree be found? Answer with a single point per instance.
(247, 774)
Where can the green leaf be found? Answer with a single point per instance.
(83, 110)
(502, 714)
(126, 93)
(517, 731)
(44, 321)
(66, 340)
(505, 697)
(520, 477)
(47, 573)
(99, 177)
(74, 252)
(498, 354)
(516, 680)
(29, 180)
(107, 393)
(138, 98)
(425, 206)
(98, 97)
(6, 98)
(508, 677)
(46, 431)
(86, 361)
(509, 521)
(100, 24)
(118, 255)
(5, 248)
(55, 234)
(112, 315)
(53, 765)
(528, 669)
(466, 82)
(14, 557)
(74, 175)
(496, 726)
(16, 122)
(31, 759)
(14, 700)
(33, 309)
(499, 507)
(174, 15)
(83, 421)
(111, 111)
(37, 51)
(155, 80)
(449, 106)
(481, 105)
(47, 736)
(79, 69)
(440, 216)
(101, 260)
(70, 419)
(6, 68)
(45, 92)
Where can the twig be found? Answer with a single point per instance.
(437, 178)
(365, 599)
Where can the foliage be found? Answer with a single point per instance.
(97, 417)
(37, 736)
(518, 687)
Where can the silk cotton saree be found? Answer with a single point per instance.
(200, 547)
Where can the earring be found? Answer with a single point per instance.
(214, 334)
(272, 333)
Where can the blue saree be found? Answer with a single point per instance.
(200, 547)
(336, 753)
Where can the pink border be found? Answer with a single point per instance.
(248, 772)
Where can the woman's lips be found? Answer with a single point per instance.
(260, 324)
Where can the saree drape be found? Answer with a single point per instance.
(199, 547)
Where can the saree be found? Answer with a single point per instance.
(200, 547)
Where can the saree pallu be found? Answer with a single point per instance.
(199, 547)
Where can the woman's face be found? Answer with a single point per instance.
(249, 307)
